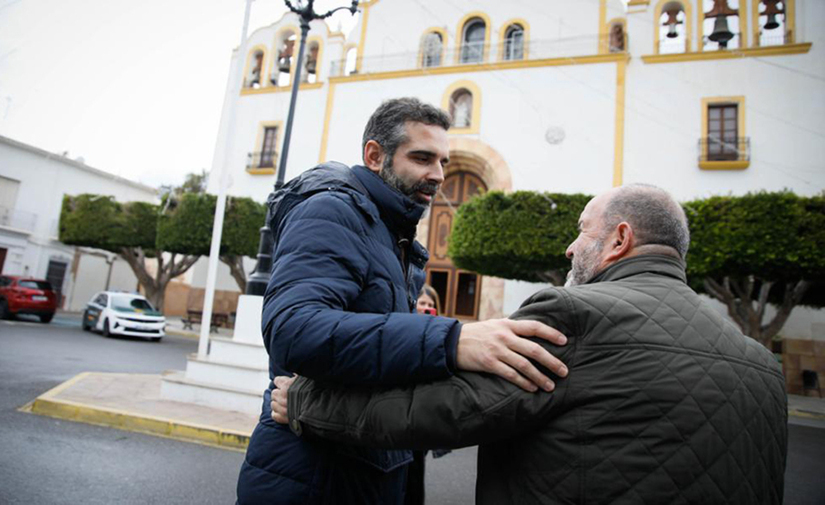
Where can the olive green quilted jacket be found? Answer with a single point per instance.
(666, 402)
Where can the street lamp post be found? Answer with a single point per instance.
(257, 281)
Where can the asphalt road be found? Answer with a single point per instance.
(49, 461)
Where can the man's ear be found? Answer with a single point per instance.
(373, 156)
(623, 242)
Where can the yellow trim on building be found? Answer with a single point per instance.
(475, 119)
(525, 26)
(602, 43)
(322, 157)
(459, 34)
(790, 21)
(281, 89)
(250, 54)
(740, 125)
(729, 54)
(259, 144)
(483, 67)
(638, 3)
(618, 140)
(365, 15)
(657, 15)
(724, 165)
(440, 31)
(743, 27)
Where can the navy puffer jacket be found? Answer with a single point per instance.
(339, 307)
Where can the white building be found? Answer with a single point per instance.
(32, 185)
(565, 96)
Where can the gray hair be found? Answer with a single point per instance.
(656, 218)
(386, 125)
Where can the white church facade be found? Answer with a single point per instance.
(700, 97)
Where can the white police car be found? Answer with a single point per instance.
(117, 313)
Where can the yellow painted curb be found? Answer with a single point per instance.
(47, 405)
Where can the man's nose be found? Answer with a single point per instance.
(569, 252)
(437, 174)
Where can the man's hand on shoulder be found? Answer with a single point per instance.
(496, 347)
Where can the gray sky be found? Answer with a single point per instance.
(134, 87)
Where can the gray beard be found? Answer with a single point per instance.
(585, 266)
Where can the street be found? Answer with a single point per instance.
(45, 460)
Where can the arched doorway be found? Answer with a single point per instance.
(459, 290)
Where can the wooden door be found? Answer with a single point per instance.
(459, 291)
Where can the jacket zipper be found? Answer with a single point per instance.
(403, 244)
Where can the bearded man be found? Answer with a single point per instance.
(340, 308)
(666, 400)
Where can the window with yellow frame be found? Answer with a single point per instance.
(463, 100)
(724, 145)
(264, 159)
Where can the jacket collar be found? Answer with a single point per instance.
(648, 263)
(400, 212)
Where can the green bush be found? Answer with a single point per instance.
(519, 235)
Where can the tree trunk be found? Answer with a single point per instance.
(747, 308)
(155, 287)
(235, 263)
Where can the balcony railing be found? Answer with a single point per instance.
(775, 38)
(263, 159)
(715, 149)
(475, 53)
(18, 219)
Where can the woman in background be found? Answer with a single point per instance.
(428, 301)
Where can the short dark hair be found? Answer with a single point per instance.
(386, 125)
(655, 216)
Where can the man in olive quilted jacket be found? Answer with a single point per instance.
(666, 401)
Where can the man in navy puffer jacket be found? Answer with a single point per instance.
(340, 307)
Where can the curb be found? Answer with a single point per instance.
(182, 333)
(47, 405)
(806, 414)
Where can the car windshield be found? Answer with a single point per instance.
(131, 303)
(42, 285)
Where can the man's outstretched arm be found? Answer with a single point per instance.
(466, 409)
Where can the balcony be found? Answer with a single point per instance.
(728, 154)
(493, 54)
(261, 163)
(17, 219)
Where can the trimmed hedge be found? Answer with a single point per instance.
(517, 235)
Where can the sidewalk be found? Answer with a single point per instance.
(132, 402)
(811, 407)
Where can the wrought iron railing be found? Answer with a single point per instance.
(19, 219)
(261, 159)
(775, 38)
(715, 149)
(475, 53)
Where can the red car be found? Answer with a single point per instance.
(22, 295)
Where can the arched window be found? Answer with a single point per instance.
(514, 42)
(284, 52)
(310, 70)
(720, 24)
(431, 49)
(254, 68)
(616, 40)
(772, 23)
(472, 41)
(672, 36)
(461, 108)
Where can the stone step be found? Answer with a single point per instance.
(220, 373)
(228, 350)
(175, 385)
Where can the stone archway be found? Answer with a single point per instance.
(474, 168)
